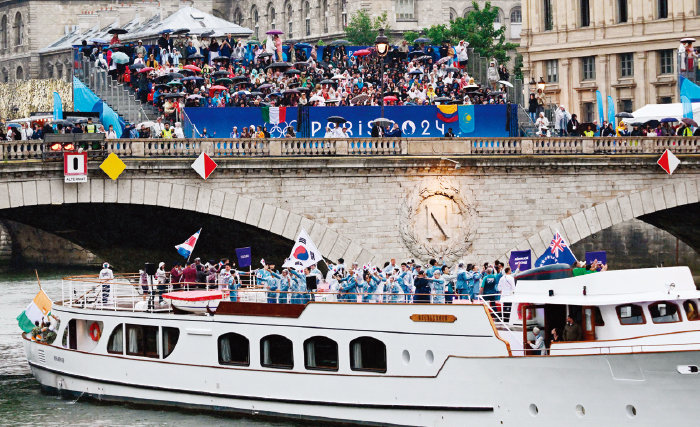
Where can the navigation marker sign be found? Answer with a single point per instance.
(668, 162)
(204, 165)
(113, 166)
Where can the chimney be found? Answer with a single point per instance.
(107, 17)
(87, 20)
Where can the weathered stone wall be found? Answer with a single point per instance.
(33, 95)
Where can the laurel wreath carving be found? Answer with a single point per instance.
(457, 246)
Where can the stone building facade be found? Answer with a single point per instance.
(624, 48)
(326, 19)
(28, 26)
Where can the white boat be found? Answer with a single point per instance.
(399, 363)
(195, 301)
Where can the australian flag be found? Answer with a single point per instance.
(558, 252)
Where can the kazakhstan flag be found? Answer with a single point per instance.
(466, 119)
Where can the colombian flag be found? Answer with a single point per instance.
(447, 113)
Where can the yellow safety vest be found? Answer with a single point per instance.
(589, 133)
(91, 128)
(167, 133)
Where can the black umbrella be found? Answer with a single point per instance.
(117, 31)
(280, 65)
(265, 55)
(236, 78)
(288, 91)
(301, 64)
(383, 122)
(174, 95)
(340, 42)
(181, 31)
(442, 99)
(416, 53)
(222, 58)
(196, 56)
(221, 73)
(452, 70)
(116, 46)
(256, 93)
(415, 72)
(328, 82)
(425, 58)
(163, 87)
(208, 33)
(292, 72)
(164, 79)
(653, 123)
(136, 67)
(624, 115)
(421, 40)
(176, 75)
(61, 122)
(336, 119)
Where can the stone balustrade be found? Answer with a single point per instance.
(312, 147)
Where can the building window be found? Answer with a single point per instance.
(367, 354)
(49, 71)
(548, 15)
(19, 74)
(626, 105)
(276, 351)
(666, 58)
(234, 349)
(588, 68)
(585, 13)
(324, 15)
(272, 17)
(59, 70)
(290, 21)
(5, 75)
(661, 9)
(115, 345)
(404, 10)
(255, 17)
(142, 340)
(3, 32)
(467, 11)
(498, 19)
(307, 18)
(321, 353)
(630, 314)
(516, 15)
(170, 337)
(691, 310)
(621, 11)
(552, 71)
(453, 15)
(664, 312)
(19, 29)
(588, 112)
(238, 17)
(626, 65)
(666, 100)
(344, 12)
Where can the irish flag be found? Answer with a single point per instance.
(38, 308)
(274, 115)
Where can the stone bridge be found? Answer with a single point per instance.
(470, 199)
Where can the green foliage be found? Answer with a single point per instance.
(362, 30)
(518, 71)
(477, 28)
(409, 36)
(439, 34)
(321, 43)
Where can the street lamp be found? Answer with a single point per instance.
(381, 43)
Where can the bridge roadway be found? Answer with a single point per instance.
(367, 200)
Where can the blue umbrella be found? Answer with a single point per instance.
(191, 78)
(166, 31)
(14, 125)
(98, 40)
(303, 46)
(669, 120)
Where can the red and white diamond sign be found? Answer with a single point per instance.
(204, 165)
(668, 162)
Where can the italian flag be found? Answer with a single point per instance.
(274, 115)
(35, 311)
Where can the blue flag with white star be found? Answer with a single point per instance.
(558, 252)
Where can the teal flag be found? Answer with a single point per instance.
(467, 120)
(611, 110)
(689, 89)
(57, 107)
(601, 113)
(687, 108)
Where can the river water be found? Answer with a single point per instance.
(23, 404)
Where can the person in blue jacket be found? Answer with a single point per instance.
(463, 282)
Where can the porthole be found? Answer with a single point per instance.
(534, 410)
(429, 357)
(406, 357)
(631, 411)
(580, 411)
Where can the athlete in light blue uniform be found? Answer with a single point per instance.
(438, 287)
(349, 287)
(475, 279)
(299, 287)
(463, 282)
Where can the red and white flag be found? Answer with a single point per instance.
(204, 165)
(668, 162)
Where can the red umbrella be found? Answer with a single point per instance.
(362, 52)
(194, 68)
(391, 98)
(146, 70)
(217, 87)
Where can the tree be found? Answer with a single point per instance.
(362, 30)
(439, 34)
(518, 69)
(477, 28)
(409, 36)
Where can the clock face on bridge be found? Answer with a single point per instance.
(437, 220)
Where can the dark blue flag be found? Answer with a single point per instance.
(520, 260)
(600, 256)
(558, 252)
(244, 257)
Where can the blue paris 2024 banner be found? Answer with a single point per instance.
(428, 121)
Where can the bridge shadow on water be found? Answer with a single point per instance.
(126, 236)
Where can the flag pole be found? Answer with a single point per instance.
(199, 234)
(37, 279)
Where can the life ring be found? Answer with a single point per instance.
(520, 312)
(95, 332)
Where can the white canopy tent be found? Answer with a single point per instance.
(661, 111)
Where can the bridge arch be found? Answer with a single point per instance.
(219, 203)
(639, 204)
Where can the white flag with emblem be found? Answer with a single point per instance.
(304, 253)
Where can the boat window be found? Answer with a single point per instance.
(234, 349)
(321, 353)
(664, 312)
(367, 354)
(276, 351)
(691, 310)
(142, 340)
(630, 314)
(170, 337)
(599, 317)
(116, 340)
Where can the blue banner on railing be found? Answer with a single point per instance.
(428, 121)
